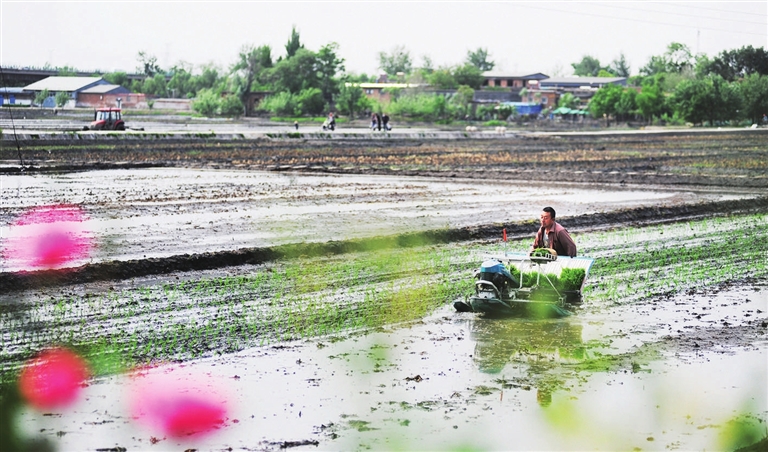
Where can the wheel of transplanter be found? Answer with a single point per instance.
(460, 306)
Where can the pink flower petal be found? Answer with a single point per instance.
(48, 237)
(53, 379)
(178, 405)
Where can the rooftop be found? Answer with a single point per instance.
(60, 83)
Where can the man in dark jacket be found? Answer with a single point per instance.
(552, 235)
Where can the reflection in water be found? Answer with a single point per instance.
(540, 345)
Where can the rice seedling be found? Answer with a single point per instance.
(304, 297)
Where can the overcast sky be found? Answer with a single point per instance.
(540, 36)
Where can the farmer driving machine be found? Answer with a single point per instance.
(540, 284)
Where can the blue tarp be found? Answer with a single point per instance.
(525, 108)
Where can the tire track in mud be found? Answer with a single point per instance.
(121, 270)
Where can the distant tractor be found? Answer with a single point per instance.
(107, 119)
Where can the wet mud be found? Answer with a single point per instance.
(681, 367)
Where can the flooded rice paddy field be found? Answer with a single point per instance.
(361, 350)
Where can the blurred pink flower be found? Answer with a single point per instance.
(53, 379)
(178, 408)
(48, 237)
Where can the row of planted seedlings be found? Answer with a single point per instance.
(311, 297)
(285, 300)
(641, 263)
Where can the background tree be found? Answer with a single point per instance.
(754, 90)
(61, 99)
(619, 67)
(398, 60)
(282, 103)
(294, 44)
(310, 101)
(296, 73)
(463, 100)
(627, 105)
(230, 106)
(442, 78)
(588, 67)
(604, 102)
(479, 59)
(739, 63)
(206, 103)
(148, 64)
(181, 83)
(66, 71)
(251, 64)
(568, 100)
(657, 64)
(351, 100)
(208, 78)
(117, 78)
(469, 75)
(679, 58)
(155, 86)
(651, 101)
(328, 65)
(426, 64)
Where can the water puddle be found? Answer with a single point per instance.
(625, 378)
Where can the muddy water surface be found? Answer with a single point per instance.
(137, 213)
(462, 381)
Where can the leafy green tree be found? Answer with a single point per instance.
(296, 73)
(251, 64)
(282, 103)
(739, 63)
(627, 104)
(651, 101)
(206, 103)
(41, 96)
(426, 65)
(679, 57)
(442, 78)
(181, 83)
(463, 100)
(479, 59)
(351, 100)
(656, 65)
(148, 64)
(208, 78)
(117, 78)
(328, 65)
(421, 106)
(588, 67)
(67, 71)
(156, 86)
(358, 78)
(398, 60)
(605, 73)
(230, 106)
(469, 75)
(619, 67)
(676, 59)
(310, 101)
(754, 90)
(605, 100)
(294, 44)
(62, 97)
(568, 100)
